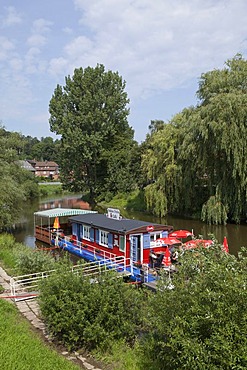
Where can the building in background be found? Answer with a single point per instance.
(47, 169)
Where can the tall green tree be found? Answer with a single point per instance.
(90, 113)
(205, 147)
(216, 137)
(163, 174)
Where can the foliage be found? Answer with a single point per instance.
(46, 149)
(22, 259)
(202, 323)
(123, 168)
(213, 211)
(197, 163)
(27, 147)
(121, 356)
(8, 251)
(21, 348)
(136, 201)
(82, 312)
(133, 201)
(30, 261)
(50, 189)
(16, 184)
(156, 199)
(163, 174)
(90, 114)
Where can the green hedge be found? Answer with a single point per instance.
(82, 313)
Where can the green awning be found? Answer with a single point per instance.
(62, 212)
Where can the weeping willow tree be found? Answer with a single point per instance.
(163, 175)
(214, 150)
(197, 163)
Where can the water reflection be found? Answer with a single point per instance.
(24, 231)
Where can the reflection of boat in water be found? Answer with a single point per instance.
(67, 202)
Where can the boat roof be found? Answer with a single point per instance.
(123, 225)
(60, 212)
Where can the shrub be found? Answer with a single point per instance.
(30, 261)
(201, 324)
(9, 249)
(81, 312)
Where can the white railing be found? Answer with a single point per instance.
(87, 247)
(26, 286)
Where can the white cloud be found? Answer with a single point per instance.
(36, 40)
(79, 46)
(7, 47)
(58, 67)
(41, 26)
(68, 30)
(12, 17)
(159, 45)
(31, 59)
(16, 64)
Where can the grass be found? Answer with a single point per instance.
(122, 357)
(21, 348)
(132, 201)
(46, 190)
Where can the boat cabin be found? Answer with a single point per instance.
(54, 222)
(130, 238)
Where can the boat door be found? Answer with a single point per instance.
(135, 248)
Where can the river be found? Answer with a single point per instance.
(236, 234)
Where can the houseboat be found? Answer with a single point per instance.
(103, 237)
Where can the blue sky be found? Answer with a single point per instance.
(159, 47)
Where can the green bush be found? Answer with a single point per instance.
(133, 201)
(9, 249)
(30, 261)
(202, 323)
(22, 259)
(31, 189)
(82, 313)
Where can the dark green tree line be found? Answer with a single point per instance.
(16, 184)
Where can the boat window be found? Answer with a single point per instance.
(103, 238)
(86, 232)
(154, 236)
(122, 243)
